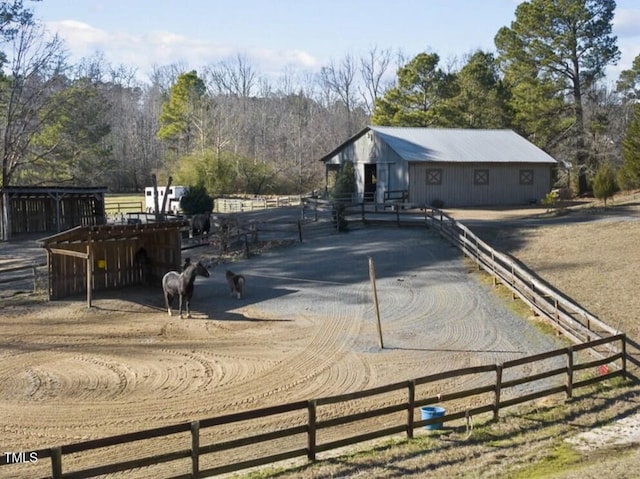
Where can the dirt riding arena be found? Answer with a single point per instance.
(306, 328)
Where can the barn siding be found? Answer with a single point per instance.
(458, 189)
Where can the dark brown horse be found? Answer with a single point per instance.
(201, 224)
(181, 285)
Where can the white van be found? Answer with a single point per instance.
(174, 195)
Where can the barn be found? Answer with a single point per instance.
(443, 166)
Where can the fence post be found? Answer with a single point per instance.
(569, 372)
(195, 448)
(496, 406)
(493, 268)
(35, 278)
(300, 230)
(411, 404)
(56, 463)
(362, 210)
(624, 357)
(311, 432)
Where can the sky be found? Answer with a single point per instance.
(275, 36)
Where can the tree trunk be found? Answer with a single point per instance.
(581, 152)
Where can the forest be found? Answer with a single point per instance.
(236, 130)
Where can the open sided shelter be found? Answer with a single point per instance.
(458, 167)
(49, 209)
(109, 257)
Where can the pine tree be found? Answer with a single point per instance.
(630, 171)
(555, 50)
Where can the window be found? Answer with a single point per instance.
(481, 177)
(434, 176)
(526, 177)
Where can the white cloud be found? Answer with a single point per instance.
(626, 23)
(142, 51)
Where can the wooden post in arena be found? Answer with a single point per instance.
(372, 276)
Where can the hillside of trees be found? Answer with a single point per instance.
(233, 130)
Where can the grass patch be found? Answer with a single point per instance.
(124, 203)
(526, 442)
(561, 458)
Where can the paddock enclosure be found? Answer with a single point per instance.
(305, 329)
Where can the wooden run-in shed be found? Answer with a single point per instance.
(49, 209)
(110, 257)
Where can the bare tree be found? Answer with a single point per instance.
(36, 67)
(235, 78)
(373, 69)
(341, 81)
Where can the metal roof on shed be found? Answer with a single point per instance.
(461, 145)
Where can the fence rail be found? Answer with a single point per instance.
(17, 275)
(302, 440)
(237, 205)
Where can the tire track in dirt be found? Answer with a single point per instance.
(305, 329)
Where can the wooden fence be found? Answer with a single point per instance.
(495, 387)
(21, 277)
(237, 205)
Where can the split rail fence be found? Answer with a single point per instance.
(239, 446)
(19, 277)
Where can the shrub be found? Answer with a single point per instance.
(345, 185)
(196, 201)
(551, 199)
(604, 183)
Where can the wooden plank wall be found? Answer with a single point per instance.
(113, 263)
(39, 214)
(32, 215)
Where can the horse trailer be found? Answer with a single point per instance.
(174, 194)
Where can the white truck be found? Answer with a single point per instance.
(174, 194)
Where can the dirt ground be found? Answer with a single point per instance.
(305, 329)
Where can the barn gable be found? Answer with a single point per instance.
(459, 167)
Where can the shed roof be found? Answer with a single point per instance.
(109, 232)
(53, 190)
(456, 145)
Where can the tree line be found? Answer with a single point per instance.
(232, 129)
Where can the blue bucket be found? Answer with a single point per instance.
(429, 412)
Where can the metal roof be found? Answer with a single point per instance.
(454, 145)
(461, 145)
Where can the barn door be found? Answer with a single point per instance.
(370, 180)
